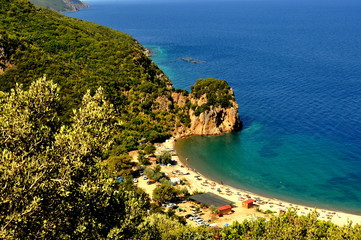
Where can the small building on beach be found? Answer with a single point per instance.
(223, 210)
(211, 199)
(248, 203)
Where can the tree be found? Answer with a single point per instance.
(53, 186)
(213, 209)
(119, 165)
(217, 92)
(154, 173)
(162, 226)
(164, 158)
(149, 149)
(142, 158)
(289, 226)
(164, 193)
(29, 119)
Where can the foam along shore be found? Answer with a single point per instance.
(203, 184)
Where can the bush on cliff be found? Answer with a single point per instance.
(217, 92)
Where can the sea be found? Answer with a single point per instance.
(295, 68)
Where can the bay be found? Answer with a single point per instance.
(295, 70)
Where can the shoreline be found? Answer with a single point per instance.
(264, 203)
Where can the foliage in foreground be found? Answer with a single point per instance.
(53, 184)
(290, 226)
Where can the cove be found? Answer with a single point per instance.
(295, 69)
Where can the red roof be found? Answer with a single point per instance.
(249, 201)
(225, 207)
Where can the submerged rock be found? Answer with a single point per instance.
(192, 60)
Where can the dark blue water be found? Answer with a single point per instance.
(295, 67)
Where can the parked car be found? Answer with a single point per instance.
(188, 216)
(145, 177)
(150, 182)
(135, 180)
(167, 204)
(171, 205)
(200, 223)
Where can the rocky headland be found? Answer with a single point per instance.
(75, 5)
(211, 107)
(61, 5)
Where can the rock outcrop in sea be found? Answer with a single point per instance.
(215, 121)
(212, 110)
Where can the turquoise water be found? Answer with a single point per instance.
(288, 167)
(296, 73)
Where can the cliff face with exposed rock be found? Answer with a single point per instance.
(3, 60)
(216, 120)
(75, 5)
(4, 56)
(212, 109)
(61, 5)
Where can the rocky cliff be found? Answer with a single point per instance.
(61, 5)
(216, 120)
(75, 5)
(3, 60)
(80, 55)
(4, 55)
(212, 109)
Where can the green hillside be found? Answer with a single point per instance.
(80, 55)
(75, 97)
(57, 5)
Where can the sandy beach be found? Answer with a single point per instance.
(203, 184)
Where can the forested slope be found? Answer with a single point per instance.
(80, 55)
(64, 138)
